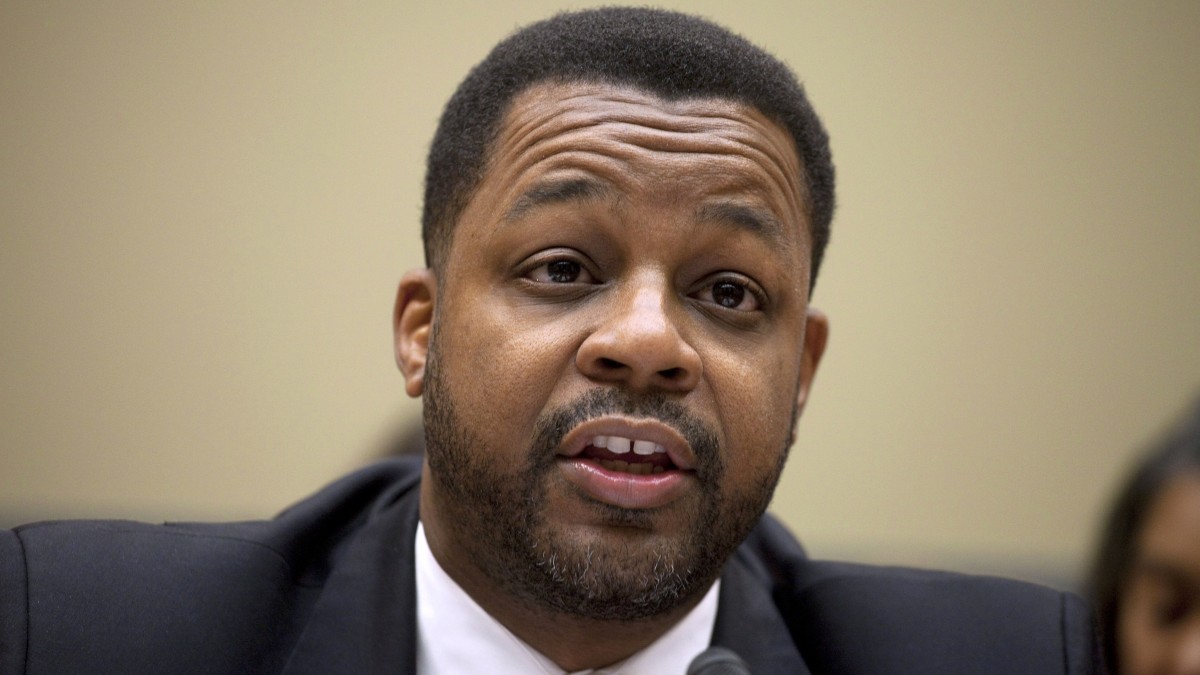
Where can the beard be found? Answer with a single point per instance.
(629, 571)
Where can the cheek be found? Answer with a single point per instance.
(756, 398)
(500, 363)
(757, 393)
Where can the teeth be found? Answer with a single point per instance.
(643, 447)
(618, 445)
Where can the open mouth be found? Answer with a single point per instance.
(628, 455)
(628, 463)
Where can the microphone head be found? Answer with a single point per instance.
(718, 661)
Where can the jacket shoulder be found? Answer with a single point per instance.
(124, 593)
(852, 618)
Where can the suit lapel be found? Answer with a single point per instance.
(366, 618)
(749, 623)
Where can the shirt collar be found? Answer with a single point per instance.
(456, 635)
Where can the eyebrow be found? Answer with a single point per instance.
(756, 220)
(1170, 573)
(558, 192)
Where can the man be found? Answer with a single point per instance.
(625, 213)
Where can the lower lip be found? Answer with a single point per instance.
(624, 490)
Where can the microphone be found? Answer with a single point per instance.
(718, 661)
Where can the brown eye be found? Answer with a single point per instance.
(563, 271)
(1170, 611)
(728, 294)
(731, 291)
(566, 271)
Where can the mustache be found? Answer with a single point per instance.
(553, 426)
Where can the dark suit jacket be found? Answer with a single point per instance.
(328, 587)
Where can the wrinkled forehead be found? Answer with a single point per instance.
(555, 117)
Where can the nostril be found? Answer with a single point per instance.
(611, 364)
(671, 373)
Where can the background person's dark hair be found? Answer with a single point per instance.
(672, 55)
(1176, 454)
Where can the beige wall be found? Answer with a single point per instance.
(205, 208)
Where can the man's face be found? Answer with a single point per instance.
(620, 346)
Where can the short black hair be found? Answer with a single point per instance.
(1178, 453)
(671, 55)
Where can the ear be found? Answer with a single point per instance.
(816, 333)
(412, 323)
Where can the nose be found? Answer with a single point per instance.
(638, 343)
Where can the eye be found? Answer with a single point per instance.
(563, 271)
(560, 270)
(1162, 597)
(728, 294)
(732, 293)
(1171, 610)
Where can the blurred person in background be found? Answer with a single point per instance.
(1145, 581)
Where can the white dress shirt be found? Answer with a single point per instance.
(455, 635)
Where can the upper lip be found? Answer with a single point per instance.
(638, 428)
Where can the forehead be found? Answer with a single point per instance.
(627, 134)
(1174, 519)
(592, 103)
(1169, 543)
